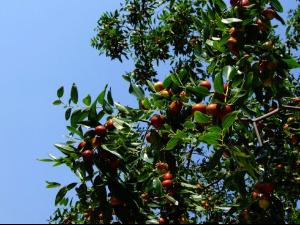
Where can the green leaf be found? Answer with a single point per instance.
(277, 5)
(156, 185)
(221, 4)
(52, 184)
(201, 117)
(101, 96)
(212, 137)
(112, 152)
(75, 131)
(151, 86)
(60, 195)
(173, 142)
(93, 112)
(291, 63)
(66, 149)
(198, 91)
(218, 84)
(107, 108)
(121, 108)
(110, 98)
(57, 102)
(74, 94)
(229, 120)
(87, 100)
(137, 91)
(68, 113)
(229, 72)
(60, 92)
(168, 81)
(231, 20)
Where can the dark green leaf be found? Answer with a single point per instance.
(110, 98)
(74, 94)
(292, 63)
(218, 83)
(57, 102)
(75, 131)
(52, 184)
(198, 91)
(173, 142)
(201, 117)
(87, 100)
(229, 120)
(66, 149)
(111, 151)
(68, 113)
(60, 195)
(156, 185)
(101, 96)
(277, 5)
(60, 92)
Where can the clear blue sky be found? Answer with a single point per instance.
(43, 45)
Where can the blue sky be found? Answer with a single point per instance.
(45, 44)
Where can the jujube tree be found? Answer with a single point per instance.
(216, 140)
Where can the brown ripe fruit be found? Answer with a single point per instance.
(264, 203)
(244, 3)
(261, 25)
(157, 121)
(114, 201)
(110, 124)
(167, 183)
(182, 94)
(280, 167)
(269, 13)
(212, 109)
(114, 164)
(285, 126)
(96, 142)
(175, 107)
(148, 137)
(104, 154)
(255, 195)
(162, 167)
(82, 145)
(164, 93)
(162, 221)
(100, 130)
(168, 176)
(295, 138)
(87, 154)
(263, 65)
(199, 108)
(233, 32)
(268, 45)
(159, 86)
(205, 84)
(297, 100)
(265, 188)
(232, 45)
(226, 109)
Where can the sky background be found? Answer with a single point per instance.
(44, 45)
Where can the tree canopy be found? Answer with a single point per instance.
(216, 140)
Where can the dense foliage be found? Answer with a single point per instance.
(215, 141)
